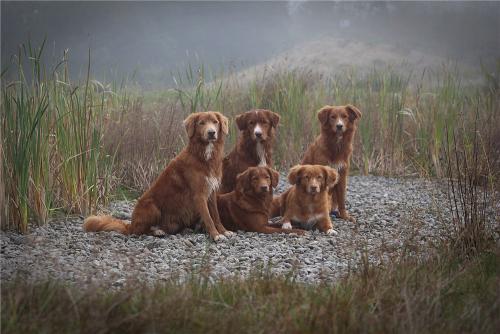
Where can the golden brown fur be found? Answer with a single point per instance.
(185, 191)
(251, 150)
(247, 207)
(333, 147)
(307, 204)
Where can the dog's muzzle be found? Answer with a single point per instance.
(258, 133)
(212, 135)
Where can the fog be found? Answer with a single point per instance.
(155, 38)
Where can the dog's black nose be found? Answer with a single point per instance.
(211, 133)
(264, 188)
(258, 134)
(314, 188)
(340, 126)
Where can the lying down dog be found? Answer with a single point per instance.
(247, 207)
(306, 204)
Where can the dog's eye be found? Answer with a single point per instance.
(267, 177)
(344, 116)
(251, 122)
(201, 123)
(320, 177)
(307, 177)
(216, 122)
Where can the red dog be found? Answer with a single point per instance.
(333, 147)
(247, 207)
(185, 191)
(254, 147)
(306, 203)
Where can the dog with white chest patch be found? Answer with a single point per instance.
(306, 203)
(185, 191)
(254, 147)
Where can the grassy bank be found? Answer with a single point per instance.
(441, 294)
(68, 146)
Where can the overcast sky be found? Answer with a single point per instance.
(158, 37)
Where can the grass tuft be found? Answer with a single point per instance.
(52, 157)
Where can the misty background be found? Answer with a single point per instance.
(154, 39)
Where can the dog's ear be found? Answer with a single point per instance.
(274, 118)
(190, 124)
(242, 181)
(223, 121)
(323, 114)
(241, 121)
(275, 177)
(354, 112)
(331, 176)
(294, 174)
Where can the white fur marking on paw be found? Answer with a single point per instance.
(229, 233)
(209, 150)
(158, 232)
(261, 153)
(286, 226)
(332, 231)
(219, 237)
(213, 184)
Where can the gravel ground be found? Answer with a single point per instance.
(394, 215)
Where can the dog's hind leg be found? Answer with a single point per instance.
(146, 214)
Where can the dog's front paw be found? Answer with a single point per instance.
(286, 226)
(229, 233)
(219, 238)
(158, 232)
(351, 219)
(345, 216)
(331, 231)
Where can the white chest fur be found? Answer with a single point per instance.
(209, 150)
(261, 154)
(213, 184)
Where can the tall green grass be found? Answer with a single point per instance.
(52, 155)
(204, 95)
(25, 124)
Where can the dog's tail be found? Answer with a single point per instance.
(106, 224)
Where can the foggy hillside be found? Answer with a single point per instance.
(156, 38)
